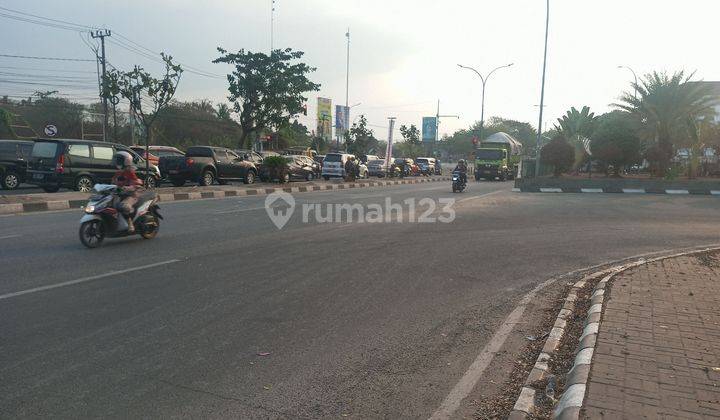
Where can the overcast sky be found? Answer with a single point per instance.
(404, 53)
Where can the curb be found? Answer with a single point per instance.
(570, 403)
(615, 191)
(41, 206)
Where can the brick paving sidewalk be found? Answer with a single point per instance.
(658, 349)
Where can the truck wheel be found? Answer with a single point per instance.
(177, 182)
(207, 178)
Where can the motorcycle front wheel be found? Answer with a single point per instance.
(92, 233)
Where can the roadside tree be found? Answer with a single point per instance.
(666, 108)
(147, 95)
(559, 154)
(266, 91)
(615, 142)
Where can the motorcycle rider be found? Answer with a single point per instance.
(462, 169)
(128, 181)
(350, 169)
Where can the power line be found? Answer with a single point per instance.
(29, 57)
(47, 70)
(41, 17)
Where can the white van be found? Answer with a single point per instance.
(334, 165)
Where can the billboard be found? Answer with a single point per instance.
(324, 118)
(342, 120)
(429, 129)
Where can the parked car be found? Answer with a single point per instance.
(376, 168)
(14, 155)
(426, 165)
(334, 165)
(297, 169)
(79, 164)
(207, 164)
(317, 168)
(366, 158)
(140, 150)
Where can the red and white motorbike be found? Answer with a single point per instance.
(103, 219)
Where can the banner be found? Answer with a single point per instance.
(429, 129)
(342, 120)
(324, 118)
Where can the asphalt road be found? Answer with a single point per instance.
(359, 320)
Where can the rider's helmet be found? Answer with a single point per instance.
(123, 160)
(462, 162)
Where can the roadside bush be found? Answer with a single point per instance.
(615, 142)
(559, 154)
(276, 167)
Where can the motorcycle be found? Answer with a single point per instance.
(458, 184)
(102, 218)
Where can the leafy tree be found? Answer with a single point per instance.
(409, 150)
(665, 109)
(184, 124)
(223, 112)
(147, 95)
(359, 139)
(559, 154)
(411, 135)
(293, 134)
(615, 141)
(577, 126)
(5, 123)
(266, 90)
(67, 116)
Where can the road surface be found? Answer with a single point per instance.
(235, 318)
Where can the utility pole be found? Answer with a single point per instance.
(272, 26)
(542, 94)
(347, 74)
(102, 33)
(388, 151)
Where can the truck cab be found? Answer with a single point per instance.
(491, 163)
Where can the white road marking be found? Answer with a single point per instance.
(9, 236)
(633, 191)
(239, 210)
(475, 197)
(591, 190)
(677, 192)
(84, 279)
(551, 190)
(471, 377)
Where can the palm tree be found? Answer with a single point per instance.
(577, 127)
(666, 109)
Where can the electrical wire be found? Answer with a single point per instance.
(30, 57)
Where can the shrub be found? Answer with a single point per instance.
(276, 167)
(615, 142)
(559, 154)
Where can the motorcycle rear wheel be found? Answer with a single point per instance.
(150, 231)
(92, 233)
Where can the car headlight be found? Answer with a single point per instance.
(89, 209)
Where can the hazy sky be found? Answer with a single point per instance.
(404, 53)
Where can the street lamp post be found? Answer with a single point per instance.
(634, 75)
(542, 93)
(484, 83)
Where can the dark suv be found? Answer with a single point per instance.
(14, 155)
(78, 164)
